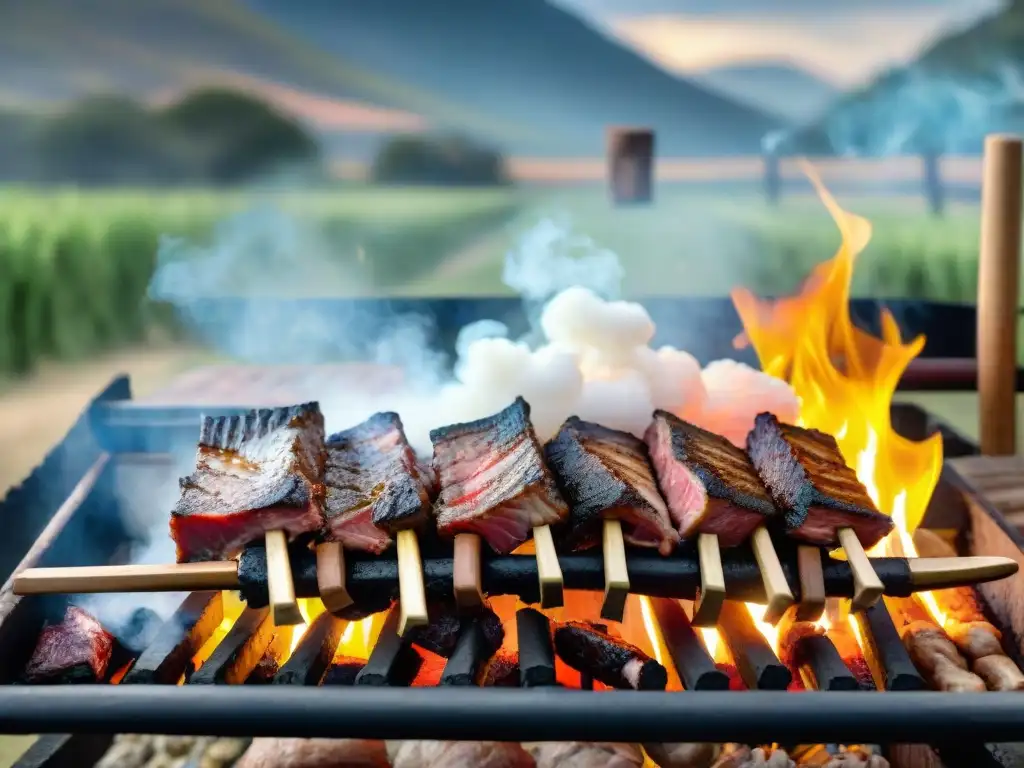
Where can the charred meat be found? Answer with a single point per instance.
(810, 482)
(709, 484)
(75, 651)
(257, 472)
(607, 659)
(493, 479)
(374, 485)
(605, 473)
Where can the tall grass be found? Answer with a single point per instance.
(75, 267)
(690, 244)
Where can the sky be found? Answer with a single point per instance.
(842, 42)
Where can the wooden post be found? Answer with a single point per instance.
(933, 189)
(999, 294)
(631, 165)
(772, 179)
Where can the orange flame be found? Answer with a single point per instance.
(845, 378)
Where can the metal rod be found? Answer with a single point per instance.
(501, 714)
(373, 581)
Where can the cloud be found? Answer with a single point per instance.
(841, 43)
(322, 112)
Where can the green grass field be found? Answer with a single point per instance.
(75, 266)
(688, 243)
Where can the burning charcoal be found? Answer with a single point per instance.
(607, 659)
(607, 473)
(502, 670)
(584, 754)
(810, 482)
(805, 647)
(75, 651)
(884, 651)
(710, 485)
(756, 661)
(265, 670)
(393, 661)
(446, 622)
(374, 484)
(536, 652)
(683, 755)
(695, 666)
(270, 663)
(467, 662)
(310, 659)
(457, 754)
(235, 657)
(170, 656)
(494, 482)
(255, 473)
(343, 671)
(314, 753)
(934, 654)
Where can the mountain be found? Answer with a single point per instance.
(962, 87)
(526, 63)
(522, 74)
(56, 50)
(775, 87)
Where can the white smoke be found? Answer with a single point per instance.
(590, 357)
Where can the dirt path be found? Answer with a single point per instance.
(37, 411)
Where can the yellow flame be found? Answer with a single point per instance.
(844, 377)
(310, 608)
(712, 642)
(653, 635)
(771, 634)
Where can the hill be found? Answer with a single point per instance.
(525, 62)
(963, 86)
(56, 50)
(778, 88)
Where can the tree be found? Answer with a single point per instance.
(448, 160)
(110, 140)
(239, 138)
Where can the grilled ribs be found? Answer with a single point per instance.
(374, 485)
(605, 473)
(493, 479)
(77, 650)
(710, 484)
(817, 493)
(257, 472)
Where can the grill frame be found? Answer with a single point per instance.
(90, 514)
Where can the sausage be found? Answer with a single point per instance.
(999, 673)
(938, 659)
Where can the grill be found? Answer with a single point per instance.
(220, 665)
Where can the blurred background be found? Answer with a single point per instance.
(417, 140)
